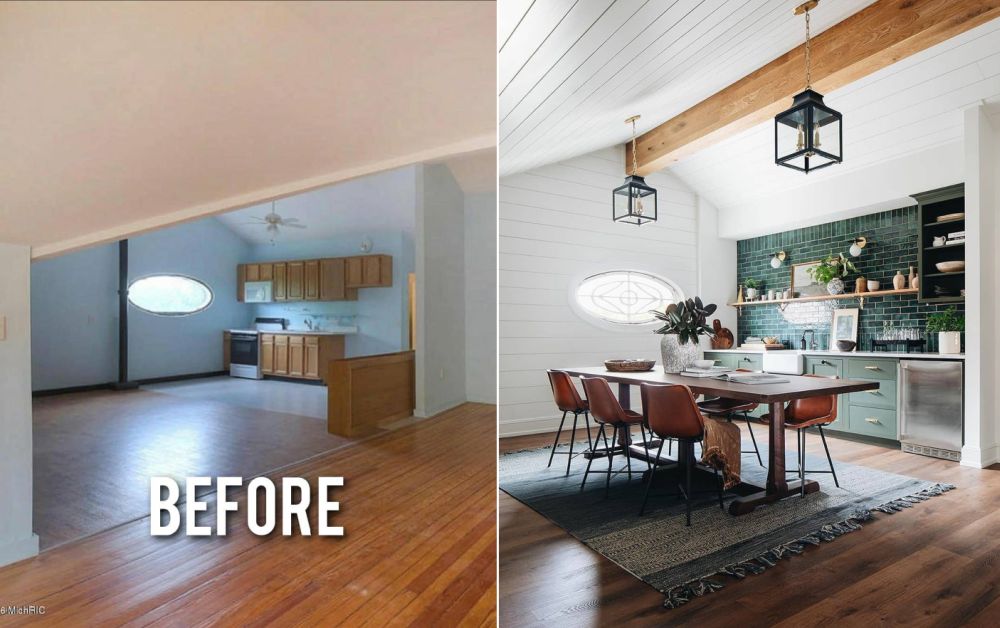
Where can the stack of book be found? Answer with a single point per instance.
(712, 371)
(956, 237)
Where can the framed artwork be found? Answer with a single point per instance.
(844, 326)
(803, 283)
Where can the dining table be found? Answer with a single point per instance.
(775, 395)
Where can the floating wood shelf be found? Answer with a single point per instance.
(954, 272)
(950, 221)
(944, 246)
(861, 296)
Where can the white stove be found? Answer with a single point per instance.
(244, 348)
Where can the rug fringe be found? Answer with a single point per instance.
(684, 593)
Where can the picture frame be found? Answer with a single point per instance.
(844, 326)
(803, 283)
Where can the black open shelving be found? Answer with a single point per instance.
(935, 286)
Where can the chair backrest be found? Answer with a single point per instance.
(671, 412)
(604, 406)
(564, 392)
(824, 407)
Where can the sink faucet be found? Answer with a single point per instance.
(309, 323)
(812, 340)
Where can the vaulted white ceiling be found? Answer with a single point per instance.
(119, 117)
(571, 72)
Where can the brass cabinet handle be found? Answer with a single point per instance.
(874, 392)
(872, 367)
(872, 419)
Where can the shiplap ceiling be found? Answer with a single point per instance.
(911, 106)
(571, 72)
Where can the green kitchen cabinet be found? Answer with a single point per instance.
(829, 367)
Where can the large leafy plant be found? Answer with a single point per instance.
(830, 267)
(948, 320)
(688, 319)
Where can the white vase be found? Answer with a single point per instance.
(949, 342)
(676, 356)
(835, 286)
(751, 294)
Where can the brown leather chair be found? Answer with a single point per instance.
(800, 415)
(728, 408)
(568, 400)
(671, 412)
(606, 410)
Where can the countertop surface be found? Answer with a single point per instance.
(852, 354)
(336, 331)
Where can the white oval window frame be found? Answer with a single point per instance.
(601, 323)
(211, 296)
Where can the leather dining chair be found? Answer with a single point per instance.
(800, 415)
(728, 408)
(568, 400)
(608, 413)
(671, 412)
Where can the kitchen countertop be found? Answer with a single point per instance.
(336, 331)
(852, 354)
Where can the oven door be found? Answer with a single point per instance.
(244, 356)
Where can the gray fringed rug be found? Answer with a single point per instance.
(685, 562)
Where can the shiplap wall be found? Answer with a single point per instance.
(556, 228)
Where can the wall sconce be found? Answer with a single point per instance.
(777, 259)
(858, 244)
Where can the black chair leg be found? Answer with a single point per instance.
(718, 482)
(689, 468)
(572, 440)
(645, 446)
(628, 454)
(556, 442)
(649, 481)
(753, 439)
(586, 422)
(600, 433)
(828, 458)
(611, 457)
(802, 463)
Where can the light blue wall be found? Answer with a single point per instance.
(379, 313)
(74, 319)
(74, 309)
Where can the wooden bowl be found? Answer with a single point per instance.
(950, 267)
(629, 366)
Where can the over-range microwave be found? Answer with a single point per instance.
(257, 292)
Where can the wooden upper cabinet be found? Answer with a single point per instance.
(369, 271)
(312, 280)
(266, 272)
(241, 279)
(355, 272)
(279, 270)
(333, 280)
(253, 272)
(295, 281)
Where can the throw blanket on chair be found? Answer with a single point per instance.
(721, 449)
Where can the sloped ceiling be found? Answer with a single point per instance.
(571, 72)
(120, 117)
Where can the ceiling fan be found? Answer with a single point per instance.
(274, 222)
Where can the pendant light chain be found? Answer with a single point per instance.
(808, 51)
(635, 166)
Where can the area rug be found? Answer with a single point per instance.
(686, 562)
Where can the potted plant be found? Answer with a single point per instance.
(949, 326)
(831, 271)
(752, 285)
(683, 323)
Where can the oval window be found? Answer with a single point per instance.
(169, 295)
(625, 297)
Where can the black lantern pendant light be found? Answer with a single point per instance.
(633, 202)
(809, 135)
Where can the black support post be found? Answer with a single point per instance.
(123, 382)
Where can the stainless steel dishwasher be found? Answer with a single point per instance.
(930, 411)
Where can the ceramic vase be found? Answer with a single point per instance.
(949, 342)
(835, 286)
(914, 280)
(860, 285)
(676, 356)
(751, 294)
(899, 281)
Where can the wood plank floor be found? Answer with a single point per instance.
(935, 564)
(419, 512)
(95, 451)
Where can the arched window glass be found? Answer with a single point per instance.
(625, 296)
(169, 295)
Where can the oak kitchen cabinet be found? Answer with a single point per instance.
(303, 356)
(326, 279)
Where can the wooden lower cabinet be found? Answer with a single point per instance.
(302, 356)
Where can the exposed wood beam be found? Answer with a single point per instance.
(871, 39)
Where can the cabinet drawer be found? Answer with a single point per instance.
(827, 367)
(721, 359)
(865, 368)
(749, 361)
(884, 397)
(878, 422)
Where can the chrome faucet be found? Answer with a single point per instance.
(309, 324)
(812, 340)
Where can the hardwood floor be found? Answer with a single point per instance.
(935, 564)
(418, 508)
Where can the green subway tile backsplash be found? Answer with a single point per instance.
(892, 237)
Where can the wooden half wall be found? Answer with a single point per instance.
(365, 391)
